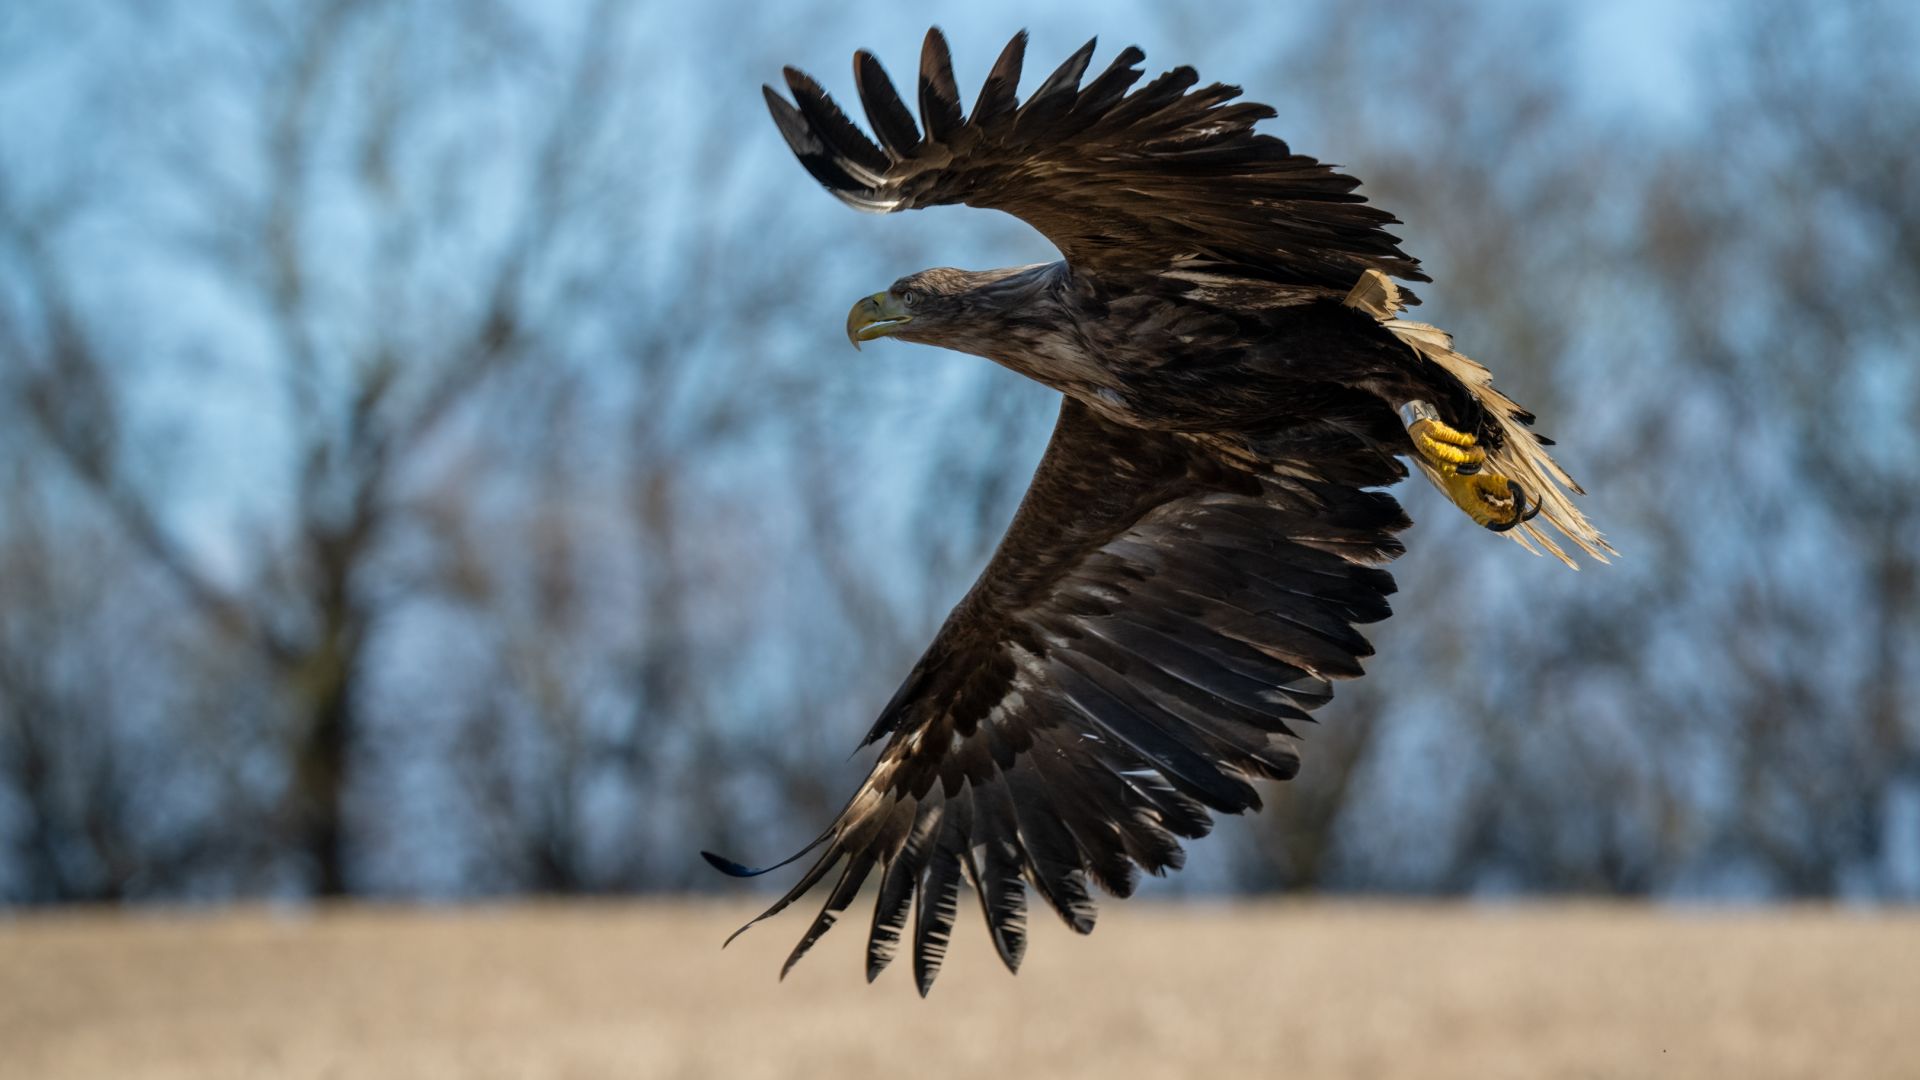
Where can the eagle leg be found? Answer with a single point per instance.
(1457, 465)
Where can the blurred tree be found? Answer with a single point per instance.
(1725, 708)
(419, 472)
(416, 219)
(364, 388)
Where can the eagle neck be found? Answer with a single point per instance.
(1030, 322)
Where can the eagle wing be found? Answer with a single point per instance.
(1155, 622)
(1166, 179)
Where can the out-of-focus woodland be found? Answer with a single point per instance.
(430, 464)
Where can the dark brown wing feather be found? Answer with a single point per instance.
(1166, 177)
(1139, 648)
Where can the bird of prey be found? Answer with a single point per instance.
(1182, 582)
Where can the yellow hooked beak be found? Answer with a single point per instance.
(874, 317)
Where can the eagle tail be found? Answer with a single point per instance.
(1522, 455)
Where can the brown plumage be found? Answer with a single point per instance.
(1184, 578)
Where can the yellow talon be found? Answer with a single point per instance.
(1491, 500)
(1445, 448)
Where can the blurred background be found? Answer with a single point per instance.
(431, 465)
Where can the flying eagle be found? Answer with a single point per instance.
(1182, 581)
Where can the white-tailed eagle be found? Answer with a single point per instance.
(1182, 582)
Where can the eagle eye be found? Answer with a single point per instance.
(910, 297)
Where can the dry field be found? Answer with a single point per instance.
(643, 990)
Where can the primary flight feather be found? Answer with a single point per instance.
(1183, 579)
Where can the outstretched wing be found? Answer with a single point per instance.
(1140, 646)
(1166, 179)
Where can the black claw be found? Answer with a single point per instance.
(1519, 496)
(1528, 513)
(1469, 469)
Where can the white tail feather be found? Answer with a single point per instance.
(1520, 457)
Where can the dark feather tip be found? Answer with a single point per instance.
(729, 867)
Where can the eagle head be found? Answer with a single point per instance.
(943, 306)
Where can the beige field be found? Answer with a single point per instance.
(1281, 990)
